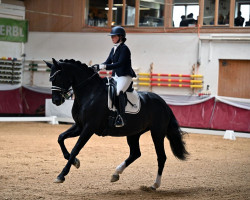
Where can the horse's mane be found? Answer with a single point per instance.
(76, 62)
(80, 64)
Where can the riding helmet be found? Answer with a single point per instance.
(118, 30)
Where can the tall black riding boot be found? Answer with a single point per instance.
(119, 121)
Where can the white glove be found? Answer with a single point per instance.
(102, 66)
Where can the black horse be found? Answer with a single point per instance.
(90, 113)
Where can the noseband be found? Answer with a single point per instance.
(66, 94)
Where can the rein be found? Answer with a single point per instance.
(67, 93)
(83, 83)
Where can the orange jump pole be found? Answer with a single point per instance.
(170, 85)
(169, 80)
(172, 75)
(105, 72)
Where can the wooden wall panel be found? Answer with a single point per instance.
(62, 7)
(168, 12)
(55, 15)
(234, 78)
(39, 5)
(78, 15)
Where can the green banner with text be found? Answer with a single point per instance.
(13, 30)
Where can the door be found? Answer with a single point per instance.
(234, 78)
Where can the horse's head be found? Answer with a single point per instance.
(61, 82)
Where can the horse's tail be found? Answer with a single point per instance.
(175, 137)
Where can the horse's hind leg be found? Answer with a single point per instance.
(133, 142)
(158, 139)
(73, 131)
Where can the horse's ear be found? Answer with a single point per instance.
(48, 64)
(55, 62)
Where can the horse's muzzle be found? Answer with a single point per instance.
(57, 100)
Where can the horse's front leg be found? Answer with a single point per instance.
(73, 131)
(83, 139)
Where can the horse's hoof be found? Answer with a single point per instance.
(147, 189)
(76, 163)
(152, 188)
(115, 178)
(59, 180)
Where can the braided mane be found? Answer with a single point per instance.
(72, 61)
(77, 62)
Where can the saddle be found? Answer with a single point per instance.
(132, 99)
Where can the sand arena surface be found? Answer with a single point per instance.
(31, 159)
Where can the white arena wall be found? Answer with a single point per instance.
(170, 52)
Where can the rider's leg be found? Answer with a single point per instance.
(123, 82)
(120, 121)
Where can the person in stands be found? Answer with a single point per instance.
(239, 21)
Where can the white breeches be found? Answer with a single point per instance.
(123, 83)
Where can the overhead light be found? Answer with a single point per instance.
(118, 4)
(114, 8)
(154, 1)
(144, 8)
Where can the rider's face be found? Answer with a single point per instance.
(114, 38)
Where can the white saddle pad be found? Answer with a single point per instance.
(134, 98)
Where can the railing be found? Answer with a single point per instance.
(150, 81)
(10, 71)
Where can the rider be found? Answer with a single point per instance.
(119, 60)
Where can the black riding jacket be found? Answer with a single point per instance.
(120, 61)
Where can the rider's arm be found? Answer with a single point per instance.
(109, 60)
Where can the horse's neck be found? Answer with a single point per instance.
(85, 91)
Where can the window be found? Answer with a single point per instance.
(178, 13)
(221, 14)
(242, 13)
(130, 13)
(97, 13)
(117, 12)
(179, 16)
(185, 14)
(209, 7)
(151, 13)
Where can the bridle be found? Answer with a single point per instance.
(63, 92)
(67, 93)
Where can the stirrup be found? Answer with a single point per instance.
(119, 121)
